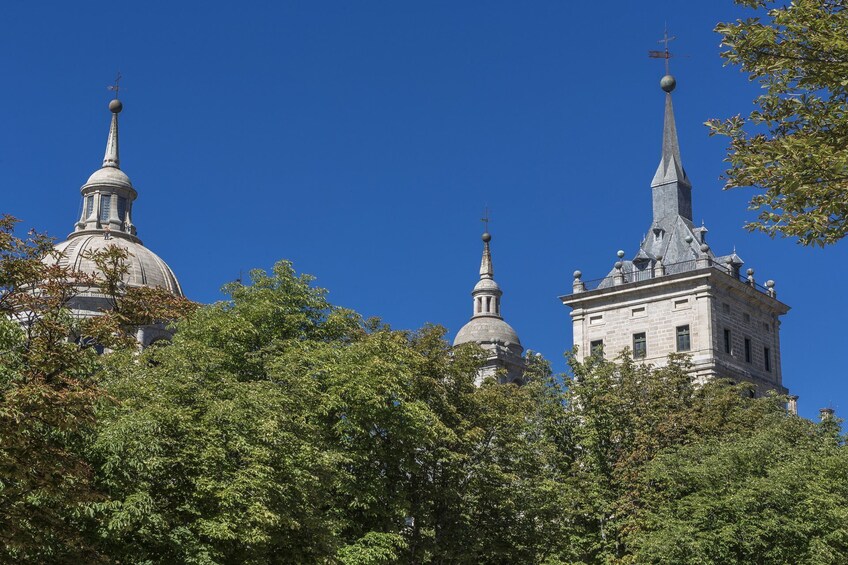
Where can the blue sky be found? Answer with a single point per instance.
(361, 140)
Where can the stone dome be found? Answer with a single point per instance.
(487, 329)
(488, 285)
(111, 176)
(145, 267)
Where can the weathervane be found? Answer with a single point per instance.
(117, 86)
(485, 219)
(664, 54)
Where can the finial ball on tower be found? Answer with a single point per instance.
(115, 106)
(487, 237)
(668, 83)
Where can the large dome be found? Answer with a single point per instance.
(487, 329)
(145, 267)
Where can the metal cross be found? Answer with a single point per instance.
(665, 54)
(117, 86)
(485, 219)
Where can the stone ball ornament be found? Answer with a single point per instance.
(668, 83)
(115, 106)
(487, 237)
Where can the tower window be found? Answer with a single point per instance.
(683, 341)
(89, 206)
(105, 206)
(640, 345)
(596, 347)
(767, 358)
(747, 350)
(122, 208)
(728, 344)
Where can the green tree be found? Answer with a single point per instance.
(794, 147)
(776, 495)
(277, 428)
(623, 415)
(46, 405)
(205, 456)
(48, 392)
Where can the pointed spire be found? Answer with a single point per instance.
(486, 270)
(671, 165)
(672, 191)
(112, 157)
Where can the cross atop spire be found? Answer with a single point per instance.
(117, 86)
(485, 219)
(665, 53)
(112, 156)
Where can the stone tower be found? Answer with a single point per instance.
(106, 219)
(676, 295)
(488, 329)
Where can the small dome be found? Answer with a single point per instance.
(110, 176)
(145, 267)
(487, 329)
(487, 285)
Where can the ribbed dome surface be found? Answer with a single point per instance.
(145, 267)
(486, 329)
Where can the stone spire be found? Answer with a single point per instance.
(108, 194)
(486, 270)
(672, 191)
(112, 157)
(487, 294)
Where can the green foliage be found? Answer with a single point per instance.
(777, 495)
(372, 549)
(794, 147)
(48, 394)
(46, 406)
(278, 428)
(623, 415)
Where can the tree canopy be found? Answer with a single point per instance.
(793, 148)
(277, 427)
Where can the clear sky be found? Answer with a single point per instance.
(361, 140)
